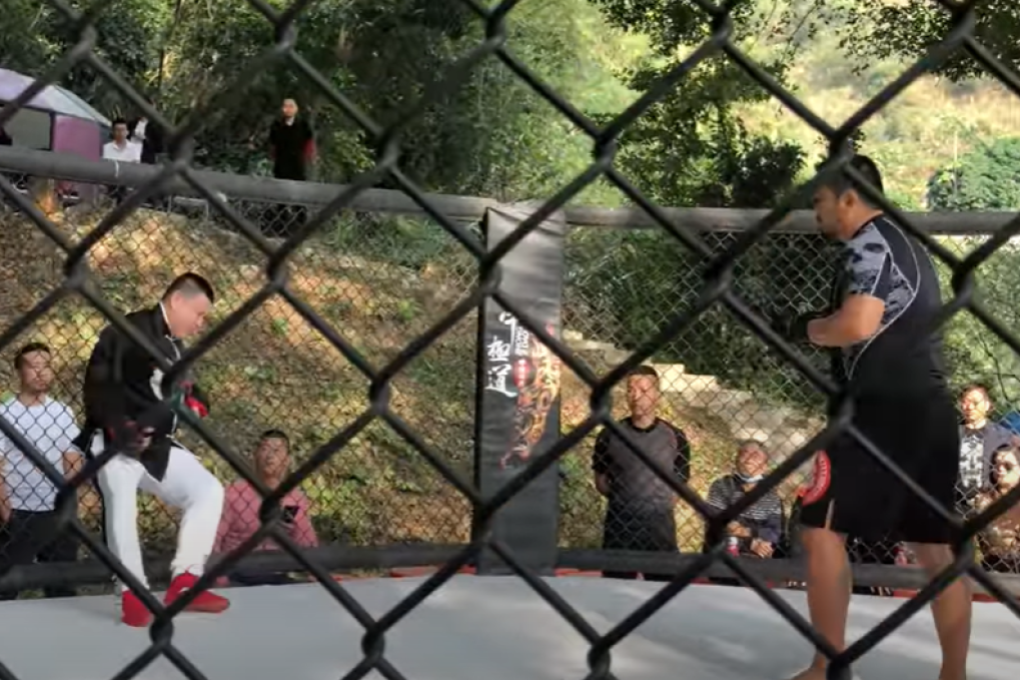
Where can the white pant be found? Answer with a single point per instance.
(186, 485)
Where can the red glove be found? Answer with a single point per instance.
(193, 400)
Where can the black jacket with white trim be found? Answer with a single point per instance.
(123, 391)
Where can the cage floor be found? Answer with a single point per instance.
(494, 628)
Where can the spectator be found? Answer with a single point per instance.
(292, 148)
(5, 139)
(27, 496)
(122, 150)
(149, 136)
(979, 439)
(241, 510)
(758, 530)
(291, 144)
(1000, 541)
(641, 505)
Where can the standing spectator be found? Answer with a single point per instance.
(641, 505)
(5, 139)
(979, 439)
(292, 148)
(149, 136)
(1000, 540)
(122, 150)
(758, 531)
(241, 510)
(120, 147)
(291, 144)
(27, 496)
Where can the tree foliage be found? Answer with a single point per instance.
(986, 179)
(910, 28)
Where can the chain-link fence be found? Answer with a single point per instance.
(356, 335)
(723, 387)
(383, 281)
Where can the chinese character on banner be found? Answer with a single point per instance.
(498, 380)
(498, 350)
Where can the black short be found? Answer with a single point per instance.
(853, 494)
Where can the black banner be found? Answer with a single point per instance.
(518, 415)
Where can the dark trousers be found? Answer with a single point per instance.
(645, 529)
(244, 578)
(29, 536)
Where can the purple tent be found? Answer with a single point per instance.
(55, 120)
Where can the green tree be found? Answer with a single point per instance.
(910, 28)
(986, 179)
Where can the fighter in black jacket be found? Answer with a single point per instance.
(126, 408)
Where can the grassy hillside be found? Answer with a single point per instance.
(275, 370)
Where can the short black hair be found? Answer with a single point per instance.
(274, 434)
(118, 121)
(19, 358)
(190, 283)
(976, 387)
(839, 182)
(644, 370)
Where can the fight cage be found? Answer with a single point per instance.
(443, 364)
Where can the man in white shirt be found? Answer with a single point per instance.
(27, 496)
(121, 150)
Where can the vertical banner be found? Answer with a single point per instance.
(518, 387)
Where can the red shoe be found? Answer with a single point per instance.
(207, 602)
(133, 612)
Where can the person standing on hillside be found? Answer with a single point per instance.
(146, 133)
(893, 369)
(292, 148)
(127, 410)
(291, 144)
(641, 506)
(121, 149)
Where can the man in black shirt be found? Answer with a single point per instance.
(892, 366)
(980, 438)
(291, 144)
(292, 148)
(641, 506)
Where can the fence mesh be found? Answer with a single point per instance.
(391, 288)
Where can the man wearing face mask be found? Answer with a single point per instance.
(758, 530)
(128, 410)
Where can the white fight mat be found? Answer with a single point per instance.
(481, 628)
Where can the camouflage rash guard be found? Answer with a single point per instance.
(885, 262)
